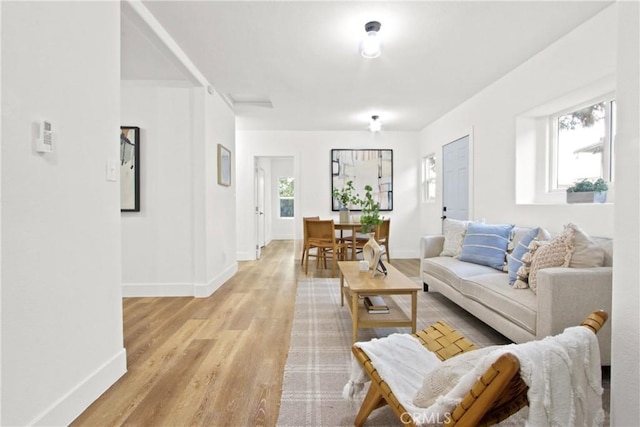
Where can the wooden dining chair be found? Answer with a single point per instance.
(382, 237)
(304, 236)
(321, 234)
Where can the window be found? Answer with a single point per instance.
(583, 144)
(285, 193)
(429, 178)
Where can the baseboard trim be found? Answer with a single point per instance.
(203, 291)
(73, 403)
(246, 256)
(198, 290)
(139, 290)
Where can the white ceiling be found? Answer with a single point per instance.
(303, 56)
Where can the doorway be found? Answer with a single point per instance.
(275, 202)
(455, 179)
(260, 215)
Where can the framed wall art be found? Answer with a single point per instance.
(363, 167)
(224, 166)
(129, 169)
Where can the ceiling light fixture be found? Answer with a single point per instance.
(375, 125)
(371, 44)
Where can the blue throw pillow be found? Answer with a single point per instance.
(514, 260)
(486, 244)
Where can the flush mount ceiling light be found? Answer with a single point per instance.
(375, 125)
(371, 44)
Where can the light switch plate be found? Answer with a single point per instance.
(112, 170)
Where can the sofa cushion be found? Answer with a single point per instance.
(514, 259)
(586, 253)
(453, 231)
(493, 291)
(486, 244)
(451, 270)
(555, 253)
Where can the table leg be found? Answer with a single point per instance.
(354, 314)
(353, 244)
(341, 289)
(414, 310)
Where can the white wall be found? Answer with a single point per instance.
(625, 319)
(584, 56)
(181, 242)
(608, 44)
(220, 201)
(311, 152)
(157, 244)
(62, 343)
(281, 228)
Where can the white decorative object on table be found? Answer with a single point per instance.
(371, 252)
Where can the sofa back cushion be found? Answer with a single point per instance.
(486, 244)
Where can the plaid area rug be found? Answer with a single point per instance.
(318, 364)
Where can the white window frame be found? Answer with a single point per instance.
(607, 152)
(286, 198)
(428, 178)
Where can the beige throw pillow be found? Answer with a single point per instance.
(586, 253)
(556, 253)
(441, 380)
(454, 231)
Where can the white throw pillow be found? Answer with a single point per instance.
(453, 231)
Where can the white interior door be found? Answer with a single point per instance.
(455, 179)
(260, 216)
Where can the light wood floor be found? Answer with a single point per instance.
(214, 361)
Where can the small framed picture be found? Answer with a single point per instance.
(129, 169)
(224, 166)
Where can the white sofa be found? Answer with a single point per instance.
(564, 295)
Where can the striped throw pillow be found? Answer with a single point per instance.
(486, 244)
(514, 259)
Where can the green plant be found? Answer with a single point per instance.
(370, 218)
(583, 185)
(345, 195)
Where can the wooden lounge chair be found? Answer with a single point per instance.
(498, 393)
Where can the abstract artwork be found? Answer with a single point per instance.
(363, 167)
(129, 169)
(224, 166)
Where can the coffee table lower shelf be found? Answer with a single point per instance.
(394, 318)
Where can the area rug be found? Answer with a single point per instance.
(319, 363)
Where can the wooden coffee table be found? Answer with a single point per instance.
(354, 283)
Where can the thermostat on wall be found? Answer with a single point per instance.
(44, 142)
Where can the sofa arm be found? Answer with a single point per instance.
(431, 246)
(567, 295)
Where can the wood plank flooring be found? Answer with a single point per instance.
(214, 361)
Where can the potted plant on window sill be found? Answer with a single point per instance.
(585, 191)
(346, 199)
